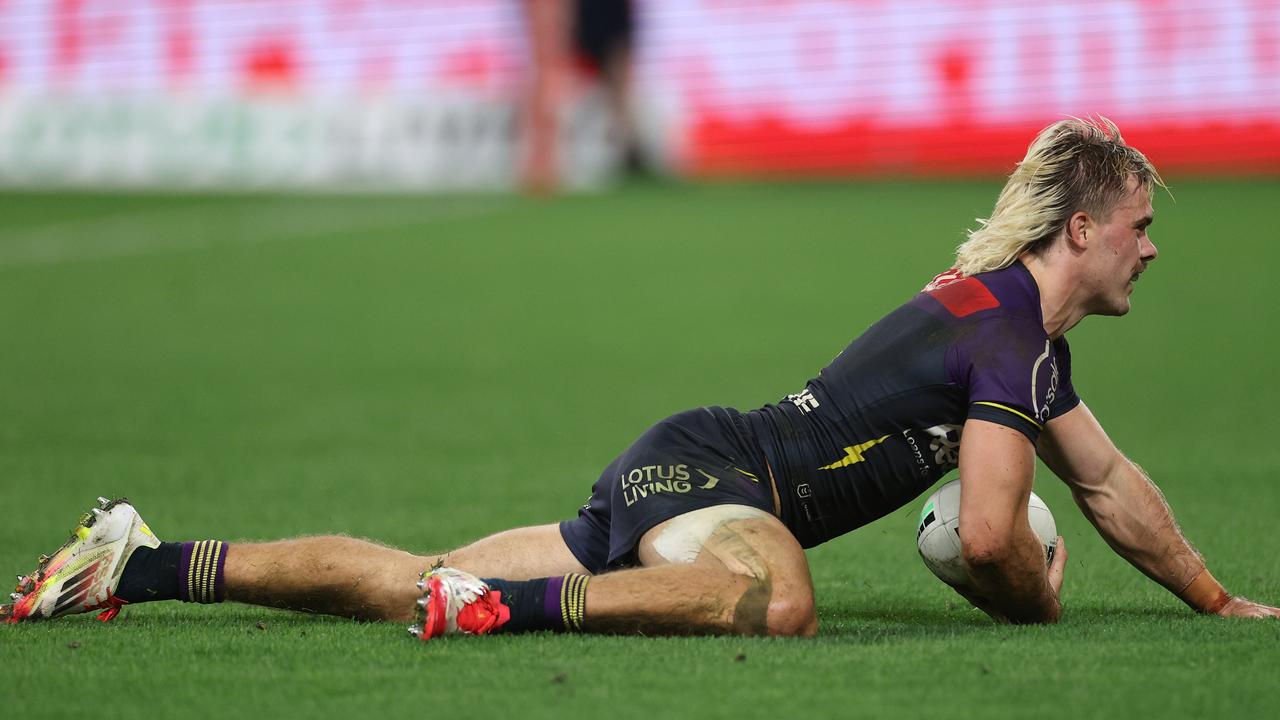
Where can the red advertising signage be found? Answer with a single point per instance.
(839, 87)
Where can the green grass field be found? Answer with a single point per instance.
(425, 371)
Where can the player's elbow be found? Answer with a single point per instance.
(986, 549)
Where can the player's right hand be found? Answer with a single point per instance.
(1058, 568)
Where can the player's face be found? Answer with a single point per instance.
(1121, 250)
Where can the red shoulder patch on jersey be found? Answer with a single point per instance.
(965, 297)
(943, 279)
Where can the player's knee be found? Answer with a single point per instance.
(793, 614)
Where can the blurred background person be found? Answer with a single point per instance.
(572, 41)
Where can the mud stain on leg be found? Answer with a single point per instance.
(751, 612)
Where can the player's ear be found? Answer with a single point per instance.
(1077, 231)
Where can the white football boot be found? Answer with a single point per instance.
(83, 574)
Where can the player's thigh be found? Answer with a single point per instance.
(746, 541)
(519, 554)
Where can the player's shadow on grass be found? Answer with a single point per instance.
(864, 623)
(877, 623)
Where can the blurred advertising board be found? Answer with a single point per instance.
(429, 94)
(919, 87)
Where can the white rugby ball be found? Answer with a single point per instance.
(938, 532)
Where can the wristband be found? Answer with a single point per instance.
(1205, 594)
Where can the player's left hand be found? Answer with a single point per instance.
(1244, 607)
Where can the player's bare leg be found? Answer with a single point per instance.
(750, 578)
(344, 576)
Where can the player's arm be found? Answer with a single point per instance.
(1010, 580)
(1131, 514)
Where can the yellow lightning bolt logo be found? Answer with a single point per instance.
(853, 454)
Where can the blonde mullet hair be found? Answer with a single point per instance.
(1073, 165)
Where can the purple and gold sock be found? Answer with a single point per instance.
(190, 571)
(200, 571)
(558, 604)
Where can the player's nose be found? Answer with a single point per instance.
(1148, 249)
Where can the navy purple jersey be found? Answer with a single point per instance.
(882, 422)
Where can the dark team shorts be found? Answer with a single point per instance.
(691, 460)
(602, 27)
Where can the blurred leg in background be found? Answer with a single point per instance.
(549, 24)
(604, 38)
